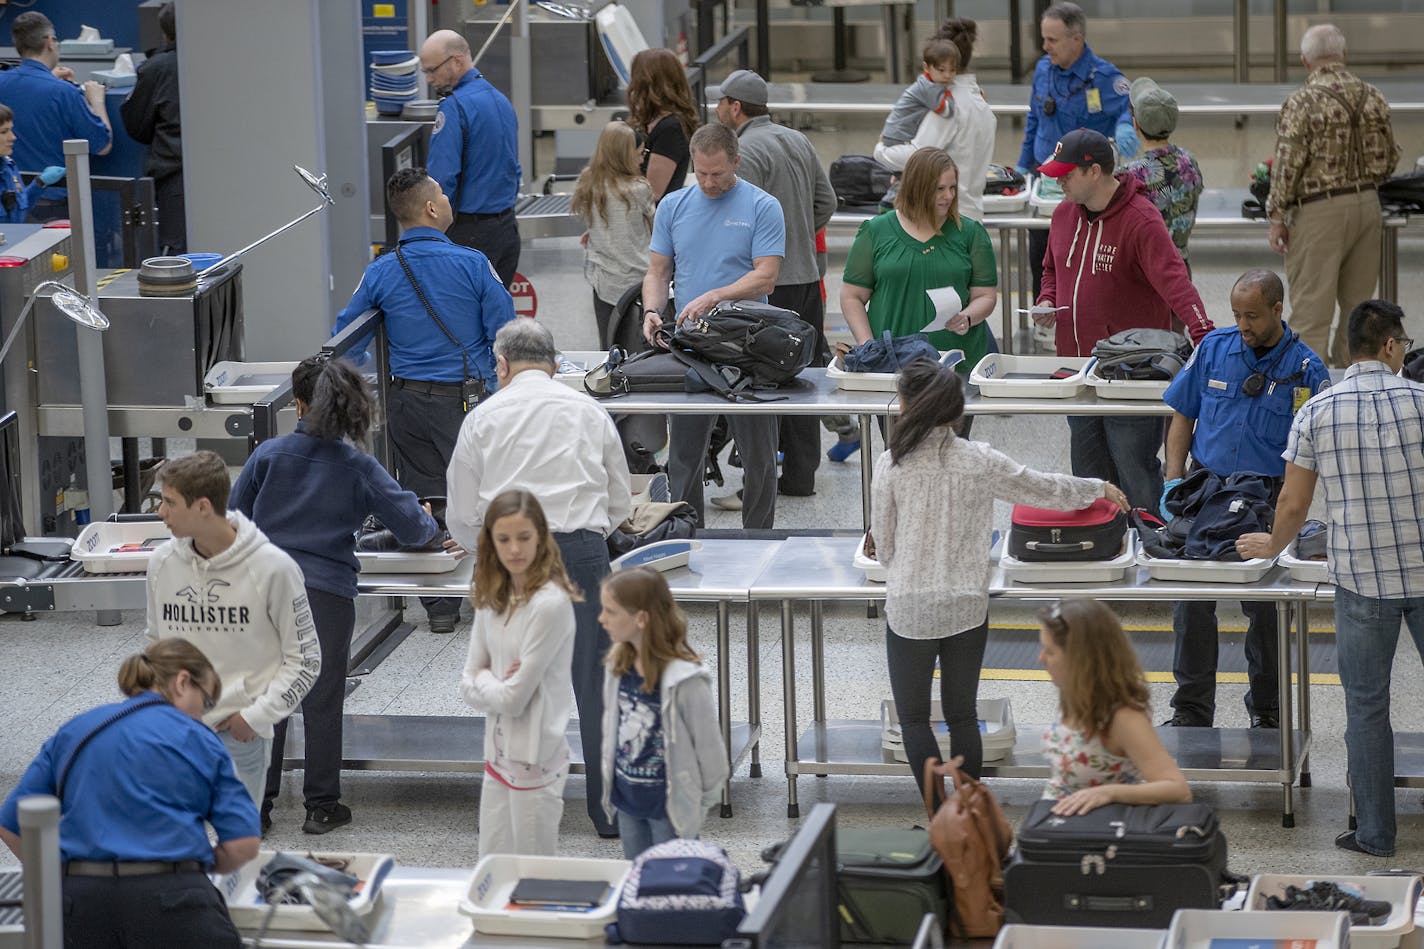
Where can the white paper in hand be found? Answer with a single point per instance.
(947, 304)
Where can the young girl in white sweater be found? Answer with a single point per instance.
(517, 673)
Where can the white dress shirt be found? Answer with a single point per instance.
(540, 436)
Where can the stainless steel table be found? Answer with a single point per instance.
(820, 569)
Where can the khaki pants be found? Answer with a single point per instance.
(1333, 259)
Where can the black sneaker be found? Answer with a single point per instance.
(326, 817)
(266, 821)
(1324, 896)
(1180, 720)
(1266, 720)
(443, 623)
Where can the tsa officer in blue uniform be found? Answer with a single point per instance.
(137, 782)
(1073, 88)
(1233, 405)
(16, 197)
(474, 152)
(425, 282)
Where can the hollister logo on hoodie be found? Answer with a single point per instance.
(204, 607)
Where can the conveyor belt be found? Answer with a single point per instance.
(546, 215)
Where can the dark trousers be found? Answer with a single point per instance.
(585, 556)
(45, 210)
(163, 911)
(912, 663)
(688, 439)
(603, 318)
(172, 215)
(1120, 450)
(1037, 247)
(335, 619)
(494, 235)
(1194, 660)
(800, 435)
(424, 427)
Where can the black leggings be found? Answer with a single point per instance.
(912, 663)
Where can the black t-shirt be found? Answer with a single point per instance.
(667, 138)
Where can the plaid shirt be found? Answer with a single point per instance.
(1365, 439)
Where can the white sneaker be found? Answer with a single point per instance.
(729, 502)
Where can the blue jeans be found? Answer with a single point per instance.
(249, 760)
(640, 833)
(1367, 631)
(1194, 662)
(1120, 450)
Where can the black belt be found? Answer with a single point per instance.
(1335, 193)
(427, 387)
(481, 217)
(130, 868)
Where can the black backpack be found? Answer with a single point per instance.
(1142, 354)
(1403, 193)
(744, 345)
(859, 181)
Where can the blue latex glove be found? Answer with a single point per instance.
(1162, 504)
(1023, 170)
(1126, 140)
(52, 174)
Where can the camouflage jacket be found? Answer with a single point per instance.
(1332, 132)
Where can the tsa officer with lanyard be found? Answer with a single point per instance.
(443, 304)
(1073, 88)
(474, 151)
(1233, 405)
(137, 783)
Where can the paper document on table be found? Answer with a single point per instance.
(947, 304)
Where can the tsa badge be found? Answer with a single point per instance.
(439, 123)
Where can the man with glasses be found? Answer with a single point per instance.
(474, 152)
(49, 109)
(1364, 439)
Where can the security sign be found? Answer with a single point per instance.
(526, 301)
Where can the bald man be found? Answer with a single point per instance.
(474, 152)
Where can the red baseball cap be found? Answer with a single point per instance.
(1078, 149)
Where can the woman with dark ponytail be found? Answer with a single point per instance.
(137, 782)
(931, 515)
(309, 492)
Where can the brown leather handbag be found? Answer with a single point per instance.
(971, 835)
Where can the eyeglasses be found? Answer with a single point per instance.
(431, 69)
(209, 703)
(1404, 341)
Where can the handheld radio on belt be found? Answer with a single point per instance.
(473, 389)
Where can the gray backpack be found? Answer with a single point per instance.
(1142, 354)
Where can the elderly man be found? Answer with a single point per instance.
(1334, 145)
(1364, 438)
(540, 436)
(723, 240)
(474, 152)
(1134, 278)
(1073, 88)
(443, 305)
(1232, 411)
(782, 161)
(49, 109)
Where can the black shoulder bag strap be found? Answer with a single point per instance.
(464, 354)
(120, 714)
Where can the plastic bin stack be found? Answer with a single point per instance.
(394, 79)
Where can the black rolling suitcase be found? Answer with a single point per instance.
(1093, 533)
(1121, 865)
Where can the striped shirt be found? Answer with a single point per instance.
(1364, 438)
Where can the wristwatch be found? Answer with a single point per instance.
(654, 312)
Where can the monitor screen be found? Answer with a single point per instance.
(797, 908)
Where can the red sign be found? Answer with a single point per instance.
(526, 302)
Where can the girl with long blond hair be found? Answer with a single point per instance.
(660, 101)
(518, 673)
(615, 203)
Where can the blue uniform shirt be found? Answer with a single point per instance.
(47, 111)
(474, 148)
(1072, 108)
(25, 194)
(714, 241)
(141, 790)
(462, 288)
(1235, 431)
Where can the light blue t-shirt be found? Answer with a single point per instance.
(713, 241)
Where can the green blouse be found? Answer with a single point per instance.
(898, 270)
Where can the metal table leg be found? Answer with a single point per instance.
(818, 661)
(1006, 293)
(754, 686)
(724, 694)
(1302, 612)
(788, 700)
(867, 473)
(1287, 729)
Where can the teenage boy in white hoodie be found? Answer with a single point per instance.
(224, 587)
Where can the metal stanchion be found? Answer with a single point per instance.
(39, 852)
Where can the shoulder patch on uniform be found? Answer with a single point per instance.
(1121, 86)
(439, 123)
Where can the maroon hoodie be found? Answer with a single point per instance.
(1117, 272)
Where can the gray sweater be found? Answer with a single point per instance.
(783, 163)
(931, 518)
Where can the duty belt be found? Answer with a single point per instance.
(129, 868)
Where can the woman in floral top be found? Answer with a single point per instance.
(1103, 749)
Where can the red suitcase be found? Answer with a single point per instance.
(1094, 533)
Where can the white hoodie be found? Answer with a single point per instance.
(247, 610)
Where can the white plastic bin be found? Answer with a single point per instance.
(496, 875)
(574, 366)
(248, 909)
(1144, 389)
(118, 547)
(1045, 194)
(1002, 376)
(865, 381)
(1206, 571)
(243, 383)
(400, 561)
(1402, 891)
(1005, 203)
(874, 572)
(1306, 571)
(1019, 936)
(996, 729)
(1071, 571)
(1198, 928)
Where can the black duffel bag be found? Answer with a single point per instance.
(859, 181)
(1142, 354)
